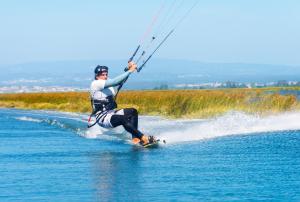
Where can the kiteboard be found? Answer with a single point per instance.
(153, 144)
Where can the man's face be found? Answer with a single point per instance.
(102, 76)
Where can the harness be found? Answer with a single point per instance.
(105, 104)
(101, 107)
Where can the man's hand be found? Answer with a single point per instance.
(132, 66)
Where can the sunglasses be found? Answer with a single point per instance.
(103, 74)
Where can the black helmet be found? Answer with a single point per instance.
(99, 69)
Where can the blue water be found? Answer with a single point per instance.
(291, 92)
(46, 156)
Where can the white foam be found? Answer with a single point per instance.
(103, 133)
(179, 131)
(232, 123)
(25, 118)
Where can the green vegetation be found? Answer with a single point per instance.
(169, 103)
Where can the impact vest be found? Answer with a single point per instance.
(102, 99)
(105, 104)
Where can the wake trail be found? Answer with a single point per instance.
(233, 123)
(76, 123)
(175, 131)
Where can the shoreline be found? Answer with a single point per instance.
(174, 104)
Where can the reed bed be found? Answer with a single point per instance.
(168, 103)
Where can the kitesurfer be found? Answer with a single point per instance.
(102, 92)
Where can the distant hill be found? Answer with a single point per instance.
(158, 71)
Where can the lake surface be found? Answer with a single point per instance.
(49, 156)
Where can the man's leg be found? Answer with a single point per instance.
(118, 120)
(132, 116)
(129, 120)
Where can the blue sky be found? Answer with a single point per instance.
(250, 31)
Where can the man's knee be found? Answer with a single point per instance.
(117, 120)
(134, 112)
(131, 112)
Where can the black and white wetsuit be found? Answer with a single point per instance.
(102, 94)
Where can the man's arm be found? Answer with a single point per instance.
(117, 80)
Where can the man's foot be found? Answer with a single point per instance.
(144, 140)
(136, 140)
(147, 140)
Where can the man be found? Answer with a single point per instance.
(103, 93)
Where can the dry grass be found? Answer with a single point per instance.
(169, 103)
